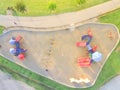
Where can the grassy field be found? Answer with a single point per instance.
(1, 29)
(40, 7)
(110, 69)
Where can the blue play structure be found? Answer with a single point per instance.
(17, 51)
(95, 56)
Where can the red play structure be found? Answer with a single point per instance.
(84, 62)
(94, 55)
(17, 50)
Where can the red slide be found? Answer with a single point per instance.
(84, 62)
(18, 38)
(81, 44)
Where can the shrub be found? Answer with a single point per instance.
(81, 1)
(52, 5)
(1, 29)
(20, 6)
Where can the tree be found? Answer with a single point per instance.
(20, 6)
(52, 5)
(81, 1)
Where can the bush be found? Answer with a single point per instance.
(81, 1)
(1, 29)
(52, 5)
(20, 6)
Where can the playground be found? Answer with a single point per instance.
(56, 54)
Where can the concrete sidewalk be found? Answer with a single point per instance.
(62, 19)
(113, 84)
(7, 82)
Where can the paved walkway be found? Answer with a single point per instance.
(114, 84)
(8, 83)
(62, 19)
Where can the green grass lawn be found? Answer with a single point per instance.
(1, 29)
(40, 7)
(110, 69)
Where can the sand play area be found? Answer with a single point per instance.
(54, 54)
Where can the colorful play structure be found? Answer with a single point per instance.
(17, 50)
(93, 56)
